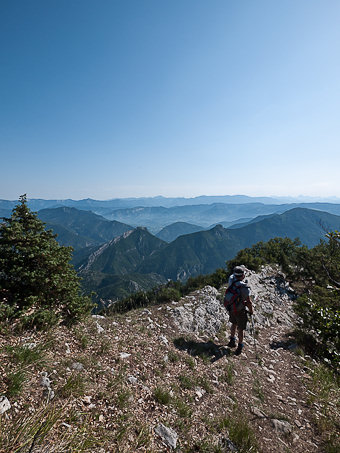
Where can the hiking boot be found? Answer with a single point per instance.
(232, 343)
(239, 349)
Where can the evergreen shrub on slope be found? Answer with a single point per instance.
(38, 285)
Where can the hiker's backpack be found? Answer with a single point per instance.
(233, 299)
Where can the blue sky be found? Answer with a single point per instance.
(120, 98)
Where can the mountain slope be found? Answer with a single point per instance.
(205, 251)
(308, 225)
(193, 254)
(171, 232)
(93, 228)
(67, 237)
(123, 254)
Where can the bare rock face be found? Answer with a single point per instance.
(203, 312)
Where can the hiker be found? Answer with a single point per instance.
(236, 299)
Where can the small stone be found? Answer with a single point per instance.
(227, 443)
(124, 355)
(298, 424)
(282, 426)
(168, 435)
(45, 381)
(48, 393)
(256, 411)
(99, 328)
(5, 405)
(164, 340)
(133, 380)
(295, 438)
(66, 425)
(77, 366)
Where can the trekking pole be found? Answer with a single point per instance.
(252, 330)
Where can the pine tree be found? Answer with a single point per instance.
(38, 285)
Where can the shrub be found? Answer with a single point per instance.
(283, 251)
(38, 285)
(319, 307)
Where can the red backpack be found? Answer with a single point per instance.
(232, 298)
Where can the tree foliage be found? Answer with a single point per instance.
(38, 285)
(283, 251)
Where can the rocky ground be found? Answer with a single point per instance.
(161, 379)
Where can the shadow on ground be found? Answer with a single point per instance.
(289, 343)
(205, 350)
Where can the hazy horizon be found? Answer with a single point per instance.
(282, 198)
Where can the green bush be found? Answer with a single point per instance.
(38, 285)
(283, 251)
(319, 306)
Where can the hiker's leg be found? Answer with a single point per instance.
(240, 335)
(232, 342)
(241, 325)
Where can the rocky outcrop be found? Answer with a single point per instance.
(203, 312)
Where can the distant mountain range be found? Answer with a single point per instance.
(120, 255)
(89, 204)
(205, 215)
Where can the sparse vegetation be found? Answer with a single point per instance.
(228, 375)
(74, 386)
(257, 388)
(324, 392)
(162, 396)
(26, 354)
(182, 409)
(241, 434)
(15, 381)
(186, 382)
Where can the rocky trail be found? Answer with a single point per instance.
(161, 379)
